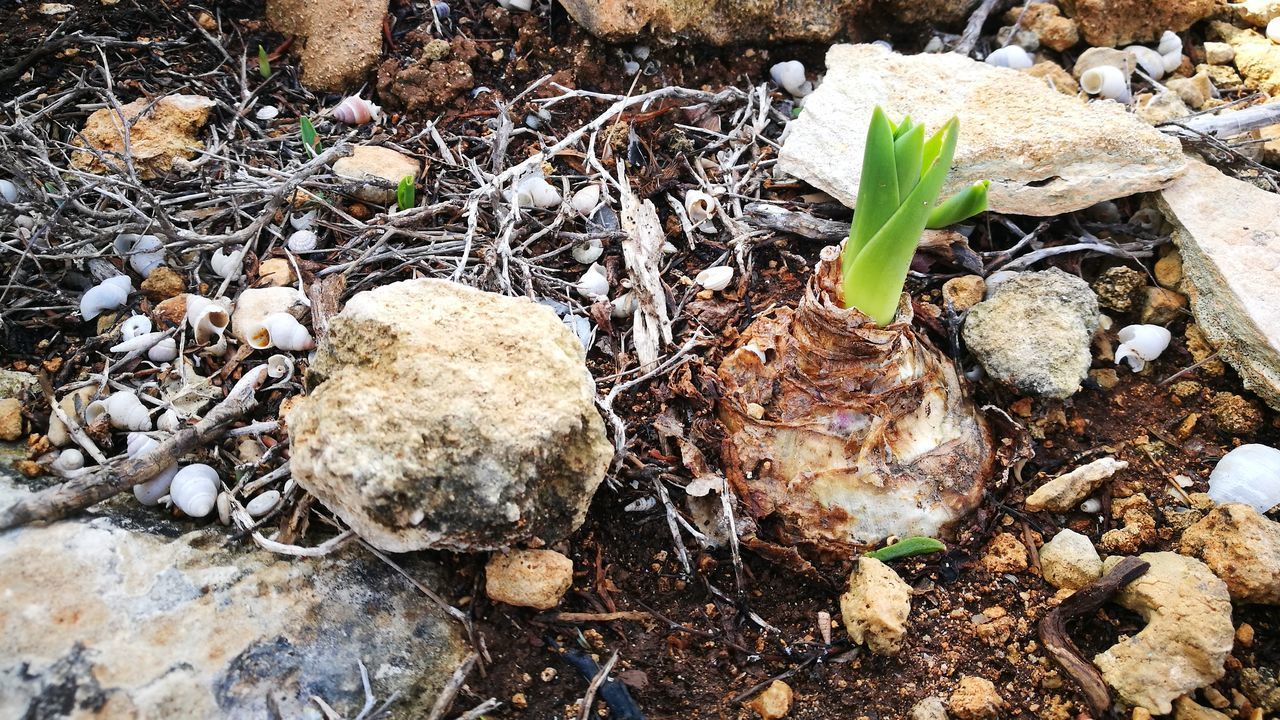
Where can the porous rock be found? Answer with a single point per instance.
(975, 698)
(1121, 22)
(342, 39)
(774, 703)
(1187, 637)
(528, 578)
(1241, 546)
(1064, 492)
(1046, 21)
(1045, 153)
(875, 607)
(160, 132)
(10, 419)
(930, 708)
(1070, 561)
(1257, 58)
(1228, 235)
(14, 382)
(123, 616)
(450, 418)
(1004, 554)
(1033, 333)
(376, 171)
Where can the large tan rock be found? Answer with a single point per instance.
(528, 578)
(1070, 561)
(160, 132)
(875, 607)
(1241, 546)
(1045, 153)
(450, 418)
(1121, 22)
(1187, 637)
(1228, 232)
(98, 620)
(1257, 58)
(342, 39)
(725, 22)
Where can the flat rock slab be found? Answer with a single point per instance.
(1229, 234)
(113, 617)
(1045, 153)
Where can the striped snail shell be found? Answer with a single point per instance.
(195, 490)
(356, 111)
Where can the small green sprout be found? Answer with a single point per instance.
(907, 548)
(264, 64)
(405, 193)
(309, 138)
(902, 175)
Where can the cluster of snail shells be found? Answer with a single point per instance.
(264, 318)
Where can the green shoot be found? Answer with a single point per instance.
(309, 138)
(902, 175)
(264, 64)
(907, 548)
(405, 193)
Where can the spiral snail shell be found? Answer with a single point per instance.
(225, 264)
(208, 318)
(144, 252)
(123, 410)
(194, 490)
(135, 326)
(280, 330)
(157, 486)
(106, 295)
(356, 110)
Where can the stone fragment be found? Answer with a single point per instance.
(1045, 20)
(1241, 546)
(1262, 686)
(161, 132)
(13, 383)
(1163, 107)
(1137, 514)
(1254, 12)
(1195, 91)
(1235, 415)
(162, 284)
(1070, 561)
(253, 305)
(1034, 332)
(1184, 708)
(1004, 554)
(450, 418)
(102, 619)
(1228, 234)
(1121, 22)
(1187, 637)
(10, 419)
(930, 708)
(528, 578)
(774, 702)
(1064, 493)
(1257, 58)
(875, 607)
(342, 38)
(1219, 53)
(276, 272)
(962, 293)
(1161, 307)
(1118, 286)
(1098, 56)
(1168, 271)
(1045, 153)
(1055, 77)
(975, 698)
(375, 172)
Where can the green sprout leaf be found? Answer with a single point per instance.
(902, 175)
(907, 548)
(405, 193)
(309, 138)
(264, 64)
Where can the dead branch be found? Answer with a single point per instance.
(589, 699)
(445, 699)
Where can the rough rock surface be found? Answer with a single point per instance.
(1241, 546)
(528, 578)
(1004, 554)
(13, 383)
(450, 418)
(1228, 232)
(1046, 21)
(1121, 22)
(975, 698)
(161, 132)
(774, 702)
(1034, 332)
(930, 708)
(1070, 561)
(1044, 153)
(343, 38)
(108, 617)
(376, 171)
(1255, 12)
(1064, 492)
(1187, 637)
(1257, 58)
(875, 607)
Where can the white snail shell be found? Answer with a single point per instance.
(715, 278)
(587, 251)
(593, 283)
(1151, 62)
(356, 111)
(169, 421)
(263, 504)
(586, 200)
(224, 508)
(267, 112)
(303, 221)
(255, 304)
(123, 409)
(1140, 344)
(1010, 56)
(279, 330)
(535, 191)
(207, 318)
(700, 207)
(166, 350)
(135, 326)
(195, 490)
(623, 306)
(225, 264)
(68, 460)
(8, 191)
(140, 342)
(1106, 81)
(789, 76)
(157, 486)
(144, 252)
(1169, 44)
(1248, 474)
(106, 295)
(525, 5)
(280, 367)
(302, 241)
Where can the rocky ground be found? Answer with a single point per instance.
(458, 446)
